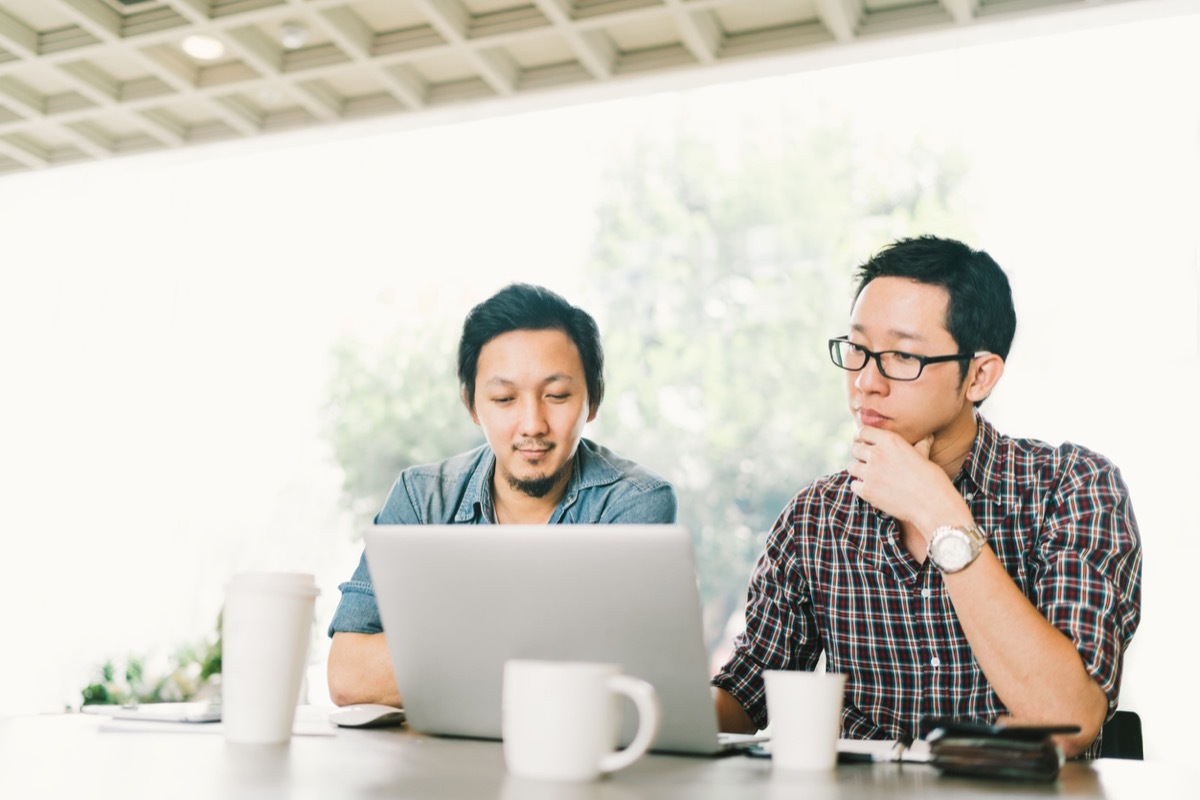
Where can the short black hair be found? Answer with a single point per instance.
(980, 313)
(525, 307)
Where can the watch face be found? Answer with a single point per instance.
(953, 551)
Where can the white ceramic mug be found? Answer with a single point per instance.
(265, 632)
(805, 710)
(559, 719)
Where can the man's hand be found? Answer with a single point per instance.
(900, 480)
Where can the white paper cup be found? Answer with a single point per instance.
(560, 719)
(805, 711)
(265, 633)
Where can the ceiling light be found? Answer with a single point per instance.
(293, 35)
(203, 47)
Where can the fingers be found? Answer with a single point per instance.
(924, 446)
(857, 469)
(866, 437)
(872, 436)
(866, 434)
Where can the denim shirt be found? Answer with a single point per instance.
(604, 488)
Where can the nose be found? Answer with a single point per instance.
(869, 380)
(533, 419)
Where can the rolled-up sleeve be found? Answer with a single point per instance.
(357, 612)
(780, 629)
(1088, 568)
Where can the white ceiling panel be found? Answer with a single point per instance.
(91, 79)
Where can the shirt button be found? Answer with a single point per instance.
(925, 593)
(935, 662)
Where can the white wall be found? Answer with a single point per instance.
(1123, 380)
(165, 333)
(1096, 214)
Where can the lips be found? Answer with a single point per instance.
(869, 417)
(533, 450)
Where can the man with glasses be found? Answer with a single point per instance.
(949, 571)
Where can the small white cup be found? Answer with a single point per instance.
(805, 709)
(265, 631)
(559, 719)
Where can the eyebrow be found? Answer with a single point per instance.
(894, 333)
(552, 378)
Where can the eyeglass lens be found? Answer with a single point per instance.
(898, 366)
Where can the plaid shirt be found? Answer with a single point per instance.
(834, 577)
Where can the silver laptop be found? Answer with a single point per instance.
(457, 601)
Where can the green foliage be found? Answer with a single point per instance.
(191, 672)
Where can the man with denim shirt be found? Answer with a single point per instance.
(531, 369)
(949, 571)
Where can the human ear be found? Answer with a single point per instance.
(987, 369)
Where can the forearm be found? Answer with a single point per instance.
(360, 670)
(731, 717)
(1033, 667)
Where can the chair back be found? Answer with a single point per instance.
(1121, 736)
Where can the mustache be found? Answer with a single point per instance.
(534, 444)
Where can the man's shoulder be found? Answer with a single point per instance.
(459, 467)
(821, 496)
(438, 491)
(608, 488)
(600, 466)
(1067, 458)
(831, 488)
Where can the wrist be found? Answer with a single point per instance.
(955, 515)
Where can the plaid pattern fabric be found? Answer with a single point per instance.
(835, 578)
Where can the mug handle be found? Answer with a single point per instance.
(649, 711)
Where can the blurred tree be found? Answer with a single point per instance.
(717, 275)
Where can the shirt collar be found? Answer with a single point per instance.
(982, 471)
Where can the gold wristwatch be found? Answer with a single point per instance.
(953, 548)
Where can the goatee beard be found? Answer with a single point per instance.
(539, 486)
(534, 487)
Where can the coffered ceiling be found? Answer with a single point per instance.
(94, 79)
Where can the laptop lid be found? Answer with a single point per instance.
(457, 601)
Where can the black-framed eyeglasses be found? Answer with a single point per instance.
(893, 364)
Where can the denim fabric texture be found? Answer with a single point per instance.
(604, 488)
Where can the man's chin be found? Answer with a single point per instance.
(534, 485)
